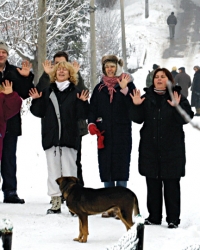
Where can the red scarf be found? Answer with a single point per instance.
(110, 83)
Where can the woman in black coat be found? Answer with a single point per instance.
(195, 101)
(162, 146)
(61, 106)
(109, 119)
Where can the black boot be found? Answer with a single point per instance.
(14, 199)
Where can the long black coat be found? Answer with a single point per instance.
(114, 158)
(71, 110)
(162, 140)
(195, 101)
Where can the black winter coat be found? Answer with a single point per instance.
(21, 85)
(44, 82)
(162, 140)
(71, 110)
(195, 101)
(113, 118)
(174, 73)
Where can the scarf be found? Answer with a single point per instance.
(62, 85)
(110, 83)
(160, 92)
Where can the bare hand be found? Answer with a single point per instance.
(48, 67)
(124, 81)
(34, 93)
(136, 97)
(176, 101)
(26, 67)
(84, 95)
(76, 66)
(7, 87)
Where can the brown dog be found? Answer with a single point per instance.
(87, 201)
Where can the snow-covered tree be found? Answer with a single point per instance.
(29, 27)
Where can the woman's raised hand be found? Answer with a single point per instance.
(176, 101)
(124, 81)
(48, 67)
(84, 95)
(34, 93)
(136, 97)
(7, 87)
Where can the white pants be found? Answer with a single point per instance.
(61, 161)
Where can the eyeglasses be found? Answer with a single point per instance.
(62, 69)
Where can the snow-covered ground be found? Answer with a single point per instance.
(33, 229)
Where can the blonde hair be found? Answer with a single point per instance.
(73, 77)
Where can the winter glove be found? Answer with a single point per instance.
(93, 130)
(100, 141)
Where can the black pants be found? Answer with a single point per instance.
(171, 188)
(79, 165)
(8, 165)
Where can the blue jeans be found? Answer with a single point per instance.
(115, 184)
(8, 165)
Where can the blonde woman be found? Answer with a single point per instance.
(60, 105)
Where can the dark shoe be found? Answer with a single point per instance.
(51, 211)
(172, 225)
(148, 222)
(14, 199)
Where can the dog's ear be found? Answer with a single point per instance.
(59, 180)
(74, 179)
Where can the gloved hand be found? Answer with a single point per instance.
(93, 130)
(100, 141)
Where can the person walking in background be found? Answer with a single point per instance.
(108, 119)
(150, 75)
(171, 21)
(22, 82)
(195, 100)
(174, 71)
(182, 79)
(10, 104)
(162, 146)
(60, 105)
(44, 82)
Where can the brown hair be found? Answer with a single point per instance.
(167, 73)
(61, 54)
(73, 77)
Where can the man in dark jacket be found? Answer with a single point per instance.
(174, 71)
(182, 79)
(171, 21)
(22, 82)
(195, 101)
(44, 82)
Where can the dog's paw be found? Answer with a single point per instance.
(81, 240)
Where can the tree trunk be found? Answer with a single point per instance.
(93, 76)
(41, 51)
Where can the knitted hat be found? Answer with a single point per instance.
(174, 68)
(155, 66)
(4, 46)
(182, 68)
(113, 59)
(196, 67)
